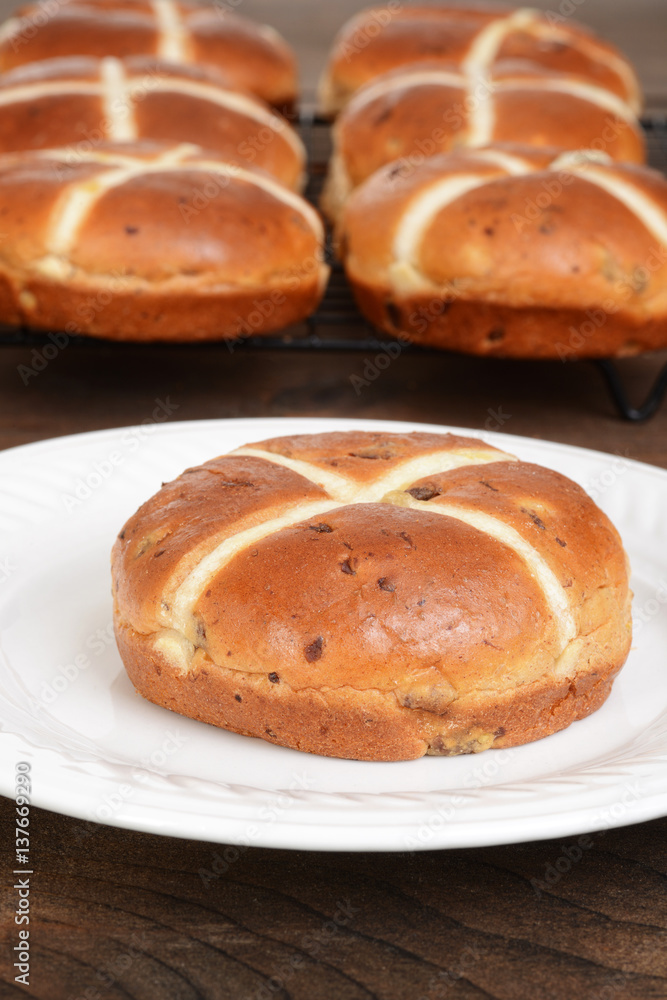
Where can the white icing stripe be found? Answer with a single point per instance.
(118, 107)
(189, 592)
(116, 87)
(643, 207)
(57, 88)
(271, 34)
(75, 206)
(229, 99)
(575, 157)
(175, 648)
(422, 210)
(574, 88)
(338, 487)
(477, 67)
(547, 580)
(404, 475)
(350, 490)
(415, 78)
(78, 199)
(482, 110)
(109, 157)
(14, 26)
(487, 43)
(516, 166)
(274, 187)
(471, 80)
(173, 42)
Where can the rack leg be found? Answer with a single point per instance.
(617, 391)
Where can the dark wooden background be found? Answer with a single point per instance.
(118, 914)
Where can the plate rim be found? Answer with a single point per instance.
(294, 833)
(31, 447)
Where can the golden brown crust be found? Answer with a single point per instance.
(562, 257)
(369, 591)
(340, 723)
(189, 314)
(193, 514)
(81, 102)
(448, 600)
(252, 56)
(380, 39)
(154, 242)
(364, 456)
(491, 330)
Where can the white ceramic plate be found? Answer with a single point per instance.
(100, 752)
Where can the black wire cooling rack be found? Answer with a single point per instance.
(337, 325)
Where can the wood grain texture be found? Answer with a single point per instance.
(89, 387)
(122, 914)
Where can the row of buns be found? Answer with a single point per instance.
(145, 160)
(253, 57)
(488, 184)
(150, 183)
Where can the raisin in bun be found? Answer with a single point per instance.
(373, 596)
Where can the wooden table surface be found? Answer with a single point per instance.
(118, 914)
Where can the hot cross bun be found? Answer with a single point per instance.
(373, 596)
(514, 251)
(253, 56)
(154, 242)
(476, 38)
(79, 102)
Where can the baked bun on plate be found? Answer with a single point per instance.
(373, 596)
